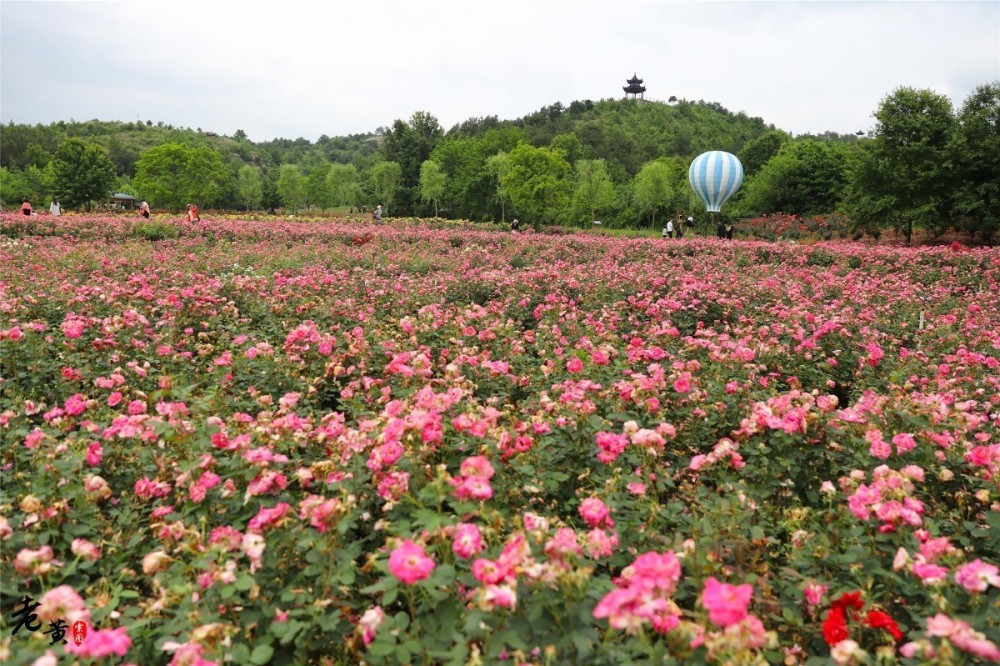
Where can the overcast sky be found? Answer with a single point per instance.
(297, 69)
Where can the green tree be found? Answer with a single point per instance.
(32, 183)
(470, 189)
(902, 177)
(385, 179)
(409, 145)
(270, 200)
(37, 184)
(35, 155)
(977, 161)
(498, 166)
(83, 173)
(12, 188)
(172, 175)
(652, 188)
(538, 182)
(122, 156)
(342, 183)
(806, 177)
(249, 186)
(317, 192)
(757, 151)
(432, 182)
(594, 189)
(290, 187)
(569, 143)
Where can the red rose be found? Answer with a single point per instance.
(835, 626)
(879, 620)
(848, 600)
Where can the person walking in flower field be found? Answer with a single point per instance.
(192, 213)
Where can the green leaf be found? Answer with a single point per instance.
(261, 654)
(294, 627)
(240, 653)
(444, 574)
(244, 582)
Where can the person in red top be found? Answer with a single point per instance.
(193, 215)
(26, 207)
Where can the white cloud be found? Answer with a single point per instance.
(306, 69)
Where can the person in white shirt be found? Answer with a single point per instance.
(669, 231)
(55, 209)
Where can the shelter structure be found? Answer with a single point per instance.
(634, 88)
(122, 201)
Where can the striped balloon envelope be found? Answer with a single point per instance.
(715, 176)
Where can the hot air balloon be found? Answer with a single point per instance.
(715, 176)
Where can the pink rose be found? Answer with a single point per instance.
(409, 563)
(595, 513)
(468, 541)
(726, 604)
(102, 643)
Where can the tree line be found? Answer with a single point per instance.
(924, 165)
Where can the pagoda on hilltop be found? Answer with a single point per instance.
(634, 88)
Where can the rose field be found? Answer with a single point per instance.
(330, 442)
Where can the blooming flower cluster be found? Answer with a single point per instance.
(448, 444)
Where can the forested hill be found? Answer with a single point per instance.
(619, 138)
(620, 131)
(125, 141)
(926, 165)
(629, 134)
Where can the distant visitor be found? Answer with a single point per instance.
(378, 213)
(26, 207)
(193, 215)
(144, 209)
(55, 209)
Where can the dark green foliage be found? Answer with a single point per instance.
(154, 231)
(410, 144)
(173, 175)
(924, 167)
(538, 183)
(976, 152)
(903, 178)
(83, 173)
(805, 178)
(470, 191)
(757, 151)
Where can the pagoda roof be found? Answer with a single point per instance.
(634, 89)
(635, 79)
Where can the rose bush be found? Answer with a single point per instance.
(266, 442)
